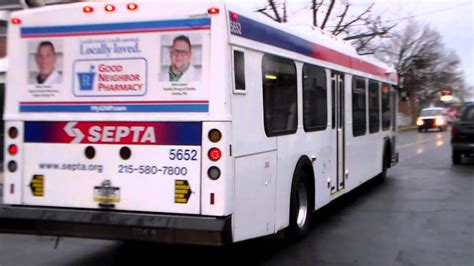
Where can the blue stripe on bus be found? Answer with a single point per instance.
(260, 32)
(148, 25)
(135, 108)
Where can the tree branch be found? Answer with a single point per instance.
(328, 14)
(364, 35)
(342, 16)
(355, 20)
(315, 7)
(263, 11)
(275, 11)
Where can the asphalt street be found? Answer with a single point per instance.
(422, 215)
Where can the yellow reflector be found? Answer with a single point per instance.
(268, 76)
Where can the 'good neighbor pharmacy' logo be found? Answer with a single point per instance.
(110, 77)
(86, 79)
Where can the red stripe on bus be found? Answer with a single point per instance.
(333, 56)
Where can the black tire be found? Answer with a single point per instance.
(301, 207)
(420, 130)
(456, 156)
(385, 163)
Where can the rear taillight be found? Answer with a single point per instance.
(12, 166)
(16, 21)
(453, 131)
(214, 135)
(12, 149)
(13, 132)
(214, 173)
(214, 154)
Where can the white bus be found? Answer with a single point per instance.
(184, 123)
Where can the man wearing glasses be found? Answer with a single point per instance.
(181, 69)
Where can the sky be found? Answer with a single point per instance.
(453, 19)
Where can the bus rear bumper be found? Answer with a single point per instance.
(116, 225)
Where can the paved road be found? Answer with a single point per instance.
(422, 215)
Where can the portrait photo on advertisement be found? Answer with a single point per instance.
(181, 58)
(45, 62)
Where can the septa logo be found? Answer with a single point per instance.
(120, 134)
(114, 132)
(74, 132)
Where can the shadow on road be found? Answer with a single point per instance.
(252, 252)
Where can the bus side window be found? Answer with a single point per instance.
(279, 96)
(374, 107)
(239, 71)
(314, 98)
(359, 119)
(386, 113)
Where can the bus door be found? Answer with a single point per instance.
(337, 90)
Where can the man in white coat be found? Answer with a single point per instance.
(46, 61)
(181, 69)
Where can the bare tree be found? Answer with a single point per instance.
(424, 65)
(362, 28)
(272, 10)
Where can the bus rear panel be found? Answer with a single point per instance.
(108, 115)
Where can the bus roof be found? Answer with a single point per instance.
(334, 48)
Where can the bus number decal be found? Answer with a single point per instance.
(183, 155)
(235, 28)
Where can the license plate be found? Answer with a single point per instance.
(106, 194)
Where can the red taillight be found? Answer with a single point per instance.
(453, 131)
(234, 16)
(109, 8)
(132, 6)
(16, 21)
(214, 154)
(213, 10)
(12, 149)
(88, 9)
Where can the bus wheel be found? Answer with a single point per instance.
(301, 207)
(456, 157)
(385, 163)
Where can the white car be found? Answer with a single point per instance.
(435, 117)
